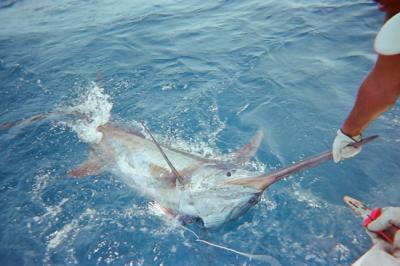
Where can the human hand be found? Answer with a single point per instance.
(341, 149)
(389, 216)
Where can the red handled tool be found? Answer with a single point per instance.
(368, 216)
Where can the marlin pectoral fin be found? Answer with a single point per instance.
(245, 153)
(168, 178)
(156, 170)
(90, 167)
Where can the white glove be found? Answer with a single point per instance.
(390, 216)
(340, 148)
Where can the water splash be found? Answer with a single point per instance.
(93, 109)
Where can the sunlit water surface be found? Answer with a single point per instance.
(204, 76)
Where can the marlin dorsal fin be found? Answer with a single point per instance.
(171, 166)
(245, 153)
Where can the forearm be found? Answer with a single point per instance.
(378, 92)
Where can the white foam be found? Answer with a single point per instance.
(93, 109)
(306, 196)
(41, 183)
(57, 237)
(342, 251)
(194, 146)
(66, 236)
(53, 211)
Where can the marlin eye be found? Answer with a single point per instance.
(228, 174)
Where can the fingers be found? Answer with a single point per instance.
(379, 224)
(350, 151)
(336, 156)
(390, 216)
(341, 148)
(374, 237)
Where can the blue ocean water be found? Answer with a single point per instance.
(207, 75)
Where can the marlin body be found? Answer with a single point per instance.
(138, 162)
(187, 187)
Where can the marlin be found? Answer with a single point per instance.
(185, 186)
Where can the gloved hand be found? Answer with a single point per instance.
(390, 216)
(383, 253)
(340, 148)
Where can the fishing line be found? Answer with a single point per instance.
(264, 258)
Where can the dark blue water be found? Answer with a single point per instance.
(206, 75)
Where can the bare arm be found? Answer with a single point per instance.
(377, 93)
